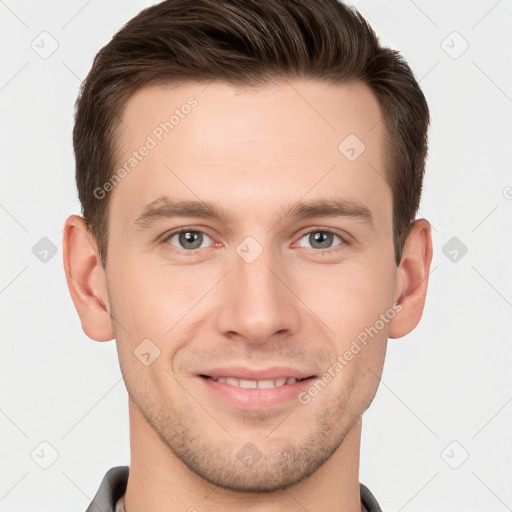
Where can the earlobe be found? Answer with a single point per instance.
(412, 279)
(86, 279)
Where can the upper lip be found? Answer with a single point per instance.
(273, 373)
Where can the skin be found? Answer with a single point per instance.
(253, 152)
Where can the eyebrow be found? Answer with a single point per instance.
(165, 208)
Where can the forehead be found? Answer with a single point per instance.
(251, 146)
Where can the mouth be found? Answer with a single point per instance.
(256, 384)
(256, 389)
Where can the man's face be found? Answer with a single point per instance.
(258, 296)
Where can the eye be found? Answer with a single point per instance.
(188, 239)
(321, 239)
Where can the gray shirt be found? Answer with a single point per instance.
(110, 495)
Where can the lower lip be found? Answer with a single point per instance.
(254, 398)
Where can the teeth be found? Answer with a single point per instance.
(248, 383)
(266, 384)
(255, 384)
(233, 381)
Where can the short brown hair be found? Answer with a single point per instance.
(248, 42)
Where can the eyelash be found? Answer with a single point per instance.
(329, 250)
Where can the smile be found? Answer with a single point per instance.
(255, 384)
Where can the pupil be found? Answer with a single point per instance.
(322, 238)
(190, 237)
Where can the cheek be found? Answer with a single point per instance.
(349, 298)
(356, 303)
(151, 300)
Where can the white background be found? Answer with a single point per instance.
(448, 384)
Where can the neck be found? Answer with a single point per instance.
(159, 481)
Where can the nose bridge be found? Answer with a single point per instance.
(257, 303)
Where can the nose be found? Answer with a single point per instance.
(257, 302)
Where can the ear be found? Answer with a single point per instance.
(86, 279)
(412, 279)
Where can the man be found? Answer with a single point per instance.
(249, 173)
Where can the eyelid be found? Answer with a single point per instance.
(343, 238)
(168, 234)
